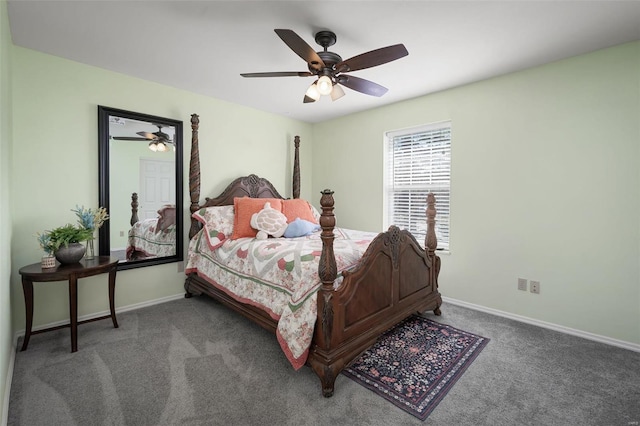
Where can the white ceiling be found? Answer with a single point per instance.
(203, 46)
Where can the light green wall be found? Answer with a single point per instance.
(55, 165)
(545, 169)
(6, 343)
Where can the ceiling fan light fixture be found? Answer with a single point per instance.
(313, 92)
(153, 146)
(325, 85)
(162, 147)
(337, 92)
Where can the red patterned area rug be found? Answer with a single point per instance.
(415, 364)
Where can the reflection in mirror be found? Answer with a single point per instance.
(140, 183)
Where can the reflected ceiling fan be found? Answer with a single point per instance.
(330, 68)
(160, 141)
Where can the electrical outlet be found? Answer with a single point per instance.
(122, 233)
(522, 284)
(535, 287)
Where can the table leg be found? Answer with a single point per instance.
(73, 311)
(27, 289)
(112, 292)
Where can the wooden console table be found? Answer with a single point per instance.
(85, 268)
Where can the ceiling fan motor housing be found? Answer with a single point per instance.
(329, 58)
(326, 39)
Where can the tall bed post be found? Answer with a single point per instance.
(431, 243)
(430, 240)
(194, 173)
(296, 168)
(134, 208)
(327, 268)
(328, 272)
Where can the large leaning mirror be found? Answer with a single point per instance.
(140, 178)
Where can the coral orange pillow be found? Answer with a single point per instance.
(244, 208)
(298, 208)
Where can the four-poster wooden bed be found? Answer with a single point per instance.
(394, 278)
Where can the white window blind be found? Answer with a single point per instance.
(418, 162)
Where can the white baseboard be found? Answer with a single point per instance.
(562, 329)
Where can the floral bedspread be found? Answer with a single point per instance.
(279, 275)
(144, 238)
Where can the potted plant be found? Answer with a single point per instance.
(92, 220)
(48, 260)
(64, 242)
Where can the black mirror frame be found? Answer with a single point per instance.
(103, 182)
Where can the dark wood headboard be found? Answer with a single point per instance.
(246, 186)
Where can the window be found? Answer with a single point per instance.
(418, 161)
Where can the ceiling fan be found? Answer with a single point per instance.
(159, 140)
(330, 68)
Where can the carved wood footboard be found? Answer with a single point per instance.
(394, 279)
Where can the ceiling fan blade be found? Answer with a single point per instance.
(278, 74)
(373, 58)
(147, 135)
(361, 85)
(308, 99)
(301, 48)
(128, 138)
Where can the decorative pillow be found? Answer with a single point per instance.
(298, 208)
(316, 214)
(217, 222)
(300, 228)
(244, 208)
(269, 221)
(167, 217)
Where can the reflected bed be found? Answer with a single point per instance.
(154, 237)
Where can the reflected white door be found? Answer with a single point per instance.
(157, 186)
